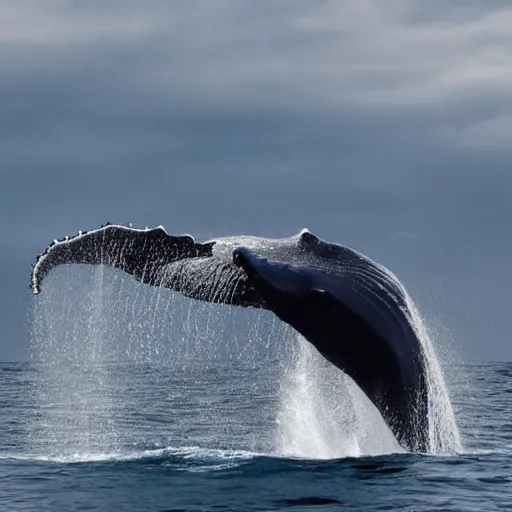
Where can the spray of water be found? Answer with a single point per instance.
(95, 331)
(444, 436)
(73, 389)
(82, 332)
(322, 414)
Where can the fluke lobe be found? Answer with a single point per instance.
(353, 310)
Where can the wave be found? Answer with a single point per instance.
(196, 458)
(187, 455)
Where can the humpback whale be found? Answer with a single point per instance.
(353, 310)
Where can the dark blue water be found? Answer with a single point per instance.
(118, 411)
(196, 441)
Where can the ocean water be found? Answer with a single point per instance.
(138, 400)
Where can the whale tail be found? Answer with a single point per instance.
(140, 253)
(153, 257)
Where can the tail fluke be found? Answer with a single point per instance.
(141, 253)
(156, 258)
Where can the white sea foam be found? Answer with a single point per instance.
(209, 456)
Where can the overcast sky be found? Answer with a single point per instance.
(385, 126)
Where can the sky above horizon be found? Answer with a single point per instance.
(384, 126)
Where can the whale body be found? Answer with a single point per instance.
(353, 310)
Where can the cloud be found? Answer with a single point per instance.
(403, 70)
(56, 22)
(398, 72)
(355, 100)
(417, 84)
(334, 53)
(492, 135)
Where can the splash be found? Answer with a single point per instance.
(323, 414)
(107, 350)
(444, 436)
(83, 332)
